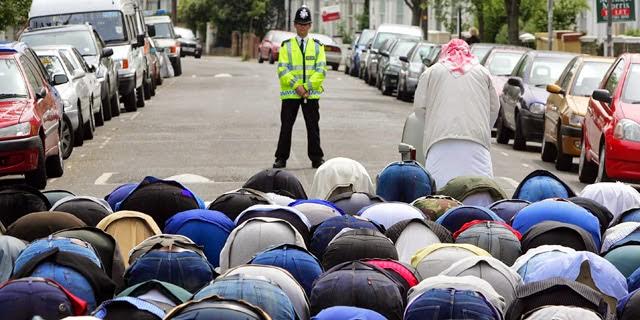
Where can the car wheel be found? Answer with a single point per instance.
(115, 104)
(55, 163)
(106, 109)
(272, 59)
(90, 126)
(587, 170)
(159, 80)
(346, 70)
(548, 153)
(602, 168)
(260, 60)
(519, 141)
(146, 87)
(66, 138)
(130, 103)
(385, 88)
(98, 117)
(140, 97)
(177, 69)
(563, 161)
(503, 134)
(153, 86)
(198, 56)
(400, 94)
(335, 66)
(78, 135)
(38, 177)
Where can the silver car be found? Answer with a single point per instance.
(332, 51)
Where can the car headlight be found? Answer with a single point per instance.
(576, 120)
(627, 130)
(16, 130)
(122, 64)
(537, 107)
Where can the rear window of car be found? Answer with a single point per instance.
(589, 78)
(402, 48)
(365, 37)
(546, 70)
(82, 40)
(12, 84)
(631, 92)
(324, 39)
(480, 51)
(503, 63)
(164, 30)
(278, 37)
(52, 64)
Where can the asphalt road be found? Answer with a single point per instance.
(217, 124)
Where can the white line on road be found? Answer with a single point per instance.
(222, 75)
(504, 153)
(526, 165)
(52, 180)
(103, 178)
(135, 115)
(104, 144)
(83, 155)
(512, 182)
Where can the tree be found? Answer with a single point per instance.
(363, 19)
(13, 12)
(512, 8)
(418, 8)
(565, 13)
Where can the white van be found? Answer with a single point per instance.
(120, 25)
(383, 33)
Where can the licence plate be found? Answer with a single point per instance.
(188, 49)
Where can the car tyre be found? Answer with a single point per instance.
(98, 117)
(519, 141)
(548, 152)
(130, 103)
(66, 138)
(503, 134)
(140, 97)
(153, 86)
(177, 69)
(260, 60)
(198, 56)
(272, 59)
(146, 87)
(385, 88)
(335, 67)
(587, 170)
(78, 135)
(115, 104)
(602, 168)
(90, 126)
(106, 109)
(564, 162)
(55, 164)
(38, 177)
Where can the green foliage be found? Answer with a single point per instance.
(503, 35)
(565, 12)
(13, 12)
(342, 32)
(494, 20)
(632, 32)
(363, 19)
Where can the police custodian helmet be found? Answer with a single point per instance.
(303, 15)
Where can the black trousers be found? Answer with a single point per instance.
(288, 114)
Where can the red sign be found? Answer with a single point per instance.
(330, 13)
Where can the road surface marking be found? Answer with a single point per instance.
(83, 155)
(104, 144)
(193, 76)
(222, 75)
(512, 182)
(102, 179)
(504, 153)
(526, 165)
(134, 116)
(53, 180)
(189, 178)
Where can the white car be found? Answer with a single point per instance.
(332, 51)
(80, 91)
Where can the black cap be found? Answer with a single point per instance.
(303, 15)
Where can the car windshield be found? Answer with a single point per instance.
(383, 36)
(52, 64)
(278, 37)
(547, 70)
(365, 37)
(480, 51)
(502, 63)
(402, 48)
(164, 30)
(82, 40)
(423, 52)
(589, 78)
(323, 39)
(12, 83)
(108, 24)
(631, 92)
(185, 33)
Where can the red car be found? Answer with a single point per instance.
(611, 129)
(270, 45)
(30, 117)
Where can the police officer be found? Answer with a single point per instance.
(302, 68)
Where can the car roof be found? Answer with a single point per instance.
(157, 19)
(13, 47)
(400, 28)
(45, 8)
(544, 53)
(59, 28)
(509, 49)
(634, 57)
(597, 59)
(52, 47)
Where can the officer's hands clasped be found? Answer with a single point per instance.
(302, 92)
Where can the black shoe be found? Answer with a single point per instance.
(317, 163)
(279, 164)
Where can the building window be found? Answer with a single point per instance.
(399, 11)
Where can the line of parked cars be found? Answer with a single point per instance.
(269, 47)
(69, 72)
(574, 105)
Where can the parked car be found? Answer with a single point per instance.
(566, 107)
(611, 128)
(348, 59)
(190, 45)
(390, 71)
(383, 59)
(332, 51)
(166, 37)
(30, 117)
(79, 89)
(501, 61)
(93, 50)
(384, 32)
(481, 50)
(117, 23)
(523, 97)
(155, 63)
(269, 48)
(421, 56)
(358, 47)
(362, 66)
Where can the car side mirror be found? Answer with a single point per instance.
(106, 52)
(151, 30)
(42, 93)
(383, 53)
(92, 68)
(140, 40)
(601, 95)
(555, 89)
(374, 51)
(59, 79)
(427, 62)
(178, 36)
(404, 59)
(515, 81)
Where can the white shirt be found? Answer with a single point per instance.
(306, 40)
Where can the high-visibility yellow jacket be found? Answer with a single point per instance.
(296, 69)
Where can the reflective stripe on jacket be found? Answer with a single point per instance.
(292, 68)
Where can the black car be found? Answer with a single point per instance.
(383, 59)
(523, 97)
(412, 65)
(189, 44)
(391, 65)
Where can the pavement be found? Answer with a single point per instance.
(218, 124)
